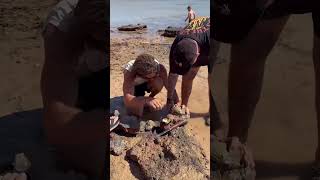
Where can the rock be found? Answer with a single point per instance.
(142, 126)
(170, 157)
(130, 122)
(171, 31)
(150, 124)
(132, 27)
(21, 163)
(117, 145)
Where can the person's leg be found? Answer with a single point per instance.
(186, 86)
(246, 74)
(219, 126)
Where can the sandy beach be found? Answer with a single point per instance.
(283, 133)
(126, 48)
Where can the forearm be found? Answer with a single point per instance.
(135, 104)
(186, 91)
(172, 81)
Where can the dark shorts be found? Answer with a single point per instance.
(234, 25)
(141, 89)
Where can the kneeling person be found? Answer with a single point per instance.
(145, 74)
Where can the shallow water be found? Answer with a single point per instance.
(156, 14)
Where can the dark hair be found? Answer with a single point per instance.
(189, 7)
(145, 64)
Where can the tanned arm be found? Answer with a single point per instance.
(64, 123)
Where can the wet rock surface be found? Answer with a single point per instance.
(171, 31)
(132, 27)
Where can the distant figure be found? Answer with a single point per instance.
(191, 14)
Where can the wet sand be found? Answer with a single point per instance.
(283, 132)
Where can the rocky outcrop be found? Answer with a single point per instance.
(174, 156)
(171, 31)
(132, 27)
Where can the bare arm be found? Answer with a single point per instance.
(188, 16)
(135, 104)
(164, 77)
(172, 81)
(64, 123)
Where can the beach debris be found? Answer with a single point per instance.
(180, 111)
(227, 159)
(117, 145)
(132, 27)
(21, 163)
(114, 120)
(15, 176)
(171, 31)
(18, 169)
(177, 156)
(130, 122)
(150, 124)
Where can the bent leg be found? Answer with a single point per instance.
(246, 74)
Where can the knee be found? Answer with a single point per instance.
(156, 85)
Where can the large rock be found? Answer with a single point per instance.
(132, 27)
(171, 31)
(177, 156)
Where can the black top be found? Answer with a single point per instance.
(198, 30)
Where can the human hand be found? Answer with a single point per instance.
(154, 104)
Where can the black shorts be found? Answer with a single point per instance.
(233, 19)
(141, 89)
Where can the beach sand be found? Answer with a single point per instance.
(126, 48)
(283, 133)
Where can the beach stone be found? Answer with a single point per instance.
(132, 27)
(117, 145)
(150, 124)
(130, 122)
(176, 156)
(21, 163)
(171, 31)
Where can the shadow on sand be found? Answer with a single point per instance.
(22, 132)
(269, 170)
